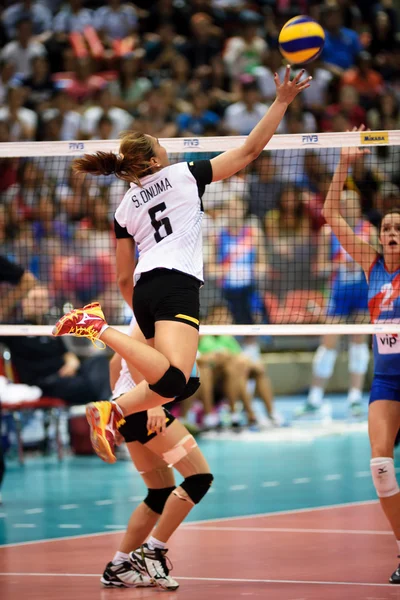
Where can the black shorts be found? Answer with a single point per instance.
(135, 427)
(166, 295)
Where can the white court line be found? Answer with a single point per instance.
(362, 474)
(104, 502)
(70, 526)
(238, 488)
(24, 525)
(268, 484)
(333, 477)
(290, 530)
(68, 506)
(222, 579)
(135, 498)
(301, 480)
(33, 511)
(3, 515)
(290, 511)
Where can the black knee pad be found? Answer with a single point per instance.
(191, 387)
(197, 486)
(171, 384)
(156, 499)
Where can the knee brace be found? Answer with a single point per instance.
(171, 384)
(384, 477)
(156, 499)
(191, 388)
(196, 487)
(358, 358)
(324, 362)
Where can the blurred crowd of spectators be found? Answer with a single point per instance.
(90, 69)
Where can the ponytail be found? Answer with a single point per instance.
(131, 164)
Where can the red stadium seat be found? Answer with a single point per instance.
(52, 408)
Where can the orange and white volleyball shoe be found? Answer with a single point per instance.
(104, 418)
(83, 322)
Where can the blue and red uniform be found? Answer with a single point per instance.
(384, 306)
(349, 292)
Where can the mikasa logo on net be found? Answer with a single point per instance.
(375, 137)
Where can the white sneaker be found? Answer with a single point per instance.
(153, 564)
(124, 575)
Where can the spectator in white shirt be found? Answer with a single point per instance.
(70, 128)
(241, 117)
(71, 18)
(120, 118)
(115, 21)
(22, 121)
(21, 51)
(39, 14)
(316, 99)
(245, 52)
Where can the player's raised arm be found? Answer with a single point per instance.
(232, 161)
(360, 251)
(125, 258)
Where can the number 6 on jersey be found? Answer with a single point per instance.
(158, 224)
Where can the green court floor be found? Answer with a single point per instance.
(46, 499)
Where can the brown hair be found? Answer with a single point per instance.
(132, 162)
(391, 211)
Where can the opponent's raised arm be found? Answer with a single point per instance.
(232, 161)
(361, 252)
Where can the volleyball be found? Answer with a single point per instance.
(301, 40)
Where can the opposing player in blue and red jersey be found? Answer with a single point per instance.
(383, 275)
(348, 302)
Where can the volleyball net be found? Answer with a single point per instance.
(271, 264)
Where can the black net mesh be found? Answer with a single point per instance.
(269, 256)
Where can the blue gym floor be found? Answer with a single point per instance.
(290, 469)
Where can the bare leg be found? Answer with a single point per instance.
(176, 343)
(324, 361)
(358, 366)
(383, 425)
(140, 525)
(176, 509)
(156, 475)
(206, 390)
(264, 390)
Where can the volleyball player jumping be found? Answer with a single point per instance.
(383, 274)
(139, 564)
(162, 214)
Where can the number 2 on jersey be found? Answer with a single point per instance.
(162, 222)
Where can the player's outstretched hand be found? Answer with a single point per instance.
(288, 89)
(351, 155)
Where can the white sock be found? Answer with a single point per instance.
(153, 543)
(102, 330)
(354, 395)
(315, 396)
(119, 558)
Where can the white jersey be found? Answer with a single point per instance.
(125, 381)
(164, 218)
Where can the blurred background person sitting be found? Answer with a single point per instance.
(46, 362)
